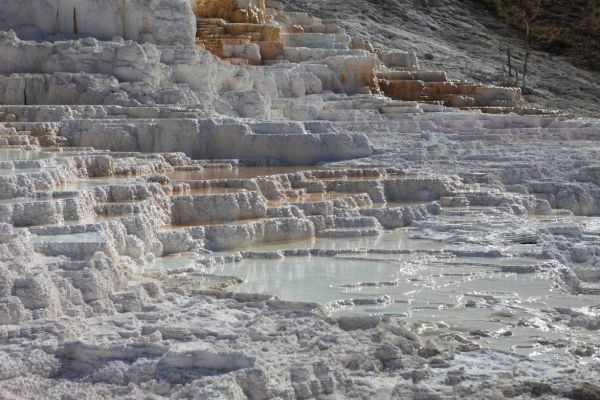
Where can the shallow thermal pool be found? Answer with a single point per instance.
(232, 173)
(9, 172)
(243, 172)
(20, 154)
(439, 294)
(80, 184)
(83, 237)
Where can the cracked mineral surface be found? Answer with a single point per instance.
(250, 199)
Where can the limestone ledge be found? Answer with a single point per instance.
(96, 237)
(89, 71)
(164, 22)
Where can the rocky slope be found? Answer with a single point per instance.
(570, 29)
(465, 39)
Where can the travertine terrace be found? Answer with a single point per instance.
(230, 200)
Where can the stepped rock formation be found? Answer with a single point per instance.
(255, 34)
(232, 200)
(240, 11)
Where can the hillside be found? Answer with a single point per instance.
(565, 28)
(466, 40)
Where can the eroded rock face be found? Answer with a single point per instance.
(162, 22)
(241, 11)
(407, 86)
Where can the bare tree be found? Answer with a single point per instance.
(524, 14)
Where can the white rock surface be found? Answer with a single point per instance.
(145, 186)
(163, 22)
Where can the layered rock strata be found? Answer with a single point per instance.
(146, 186)
(119, 209)
(162, 22)
(295, 37)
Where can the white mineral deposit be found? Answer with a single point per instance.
(262, 199)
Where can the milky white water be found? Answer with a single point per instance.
(232, 172)
(502, 301)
